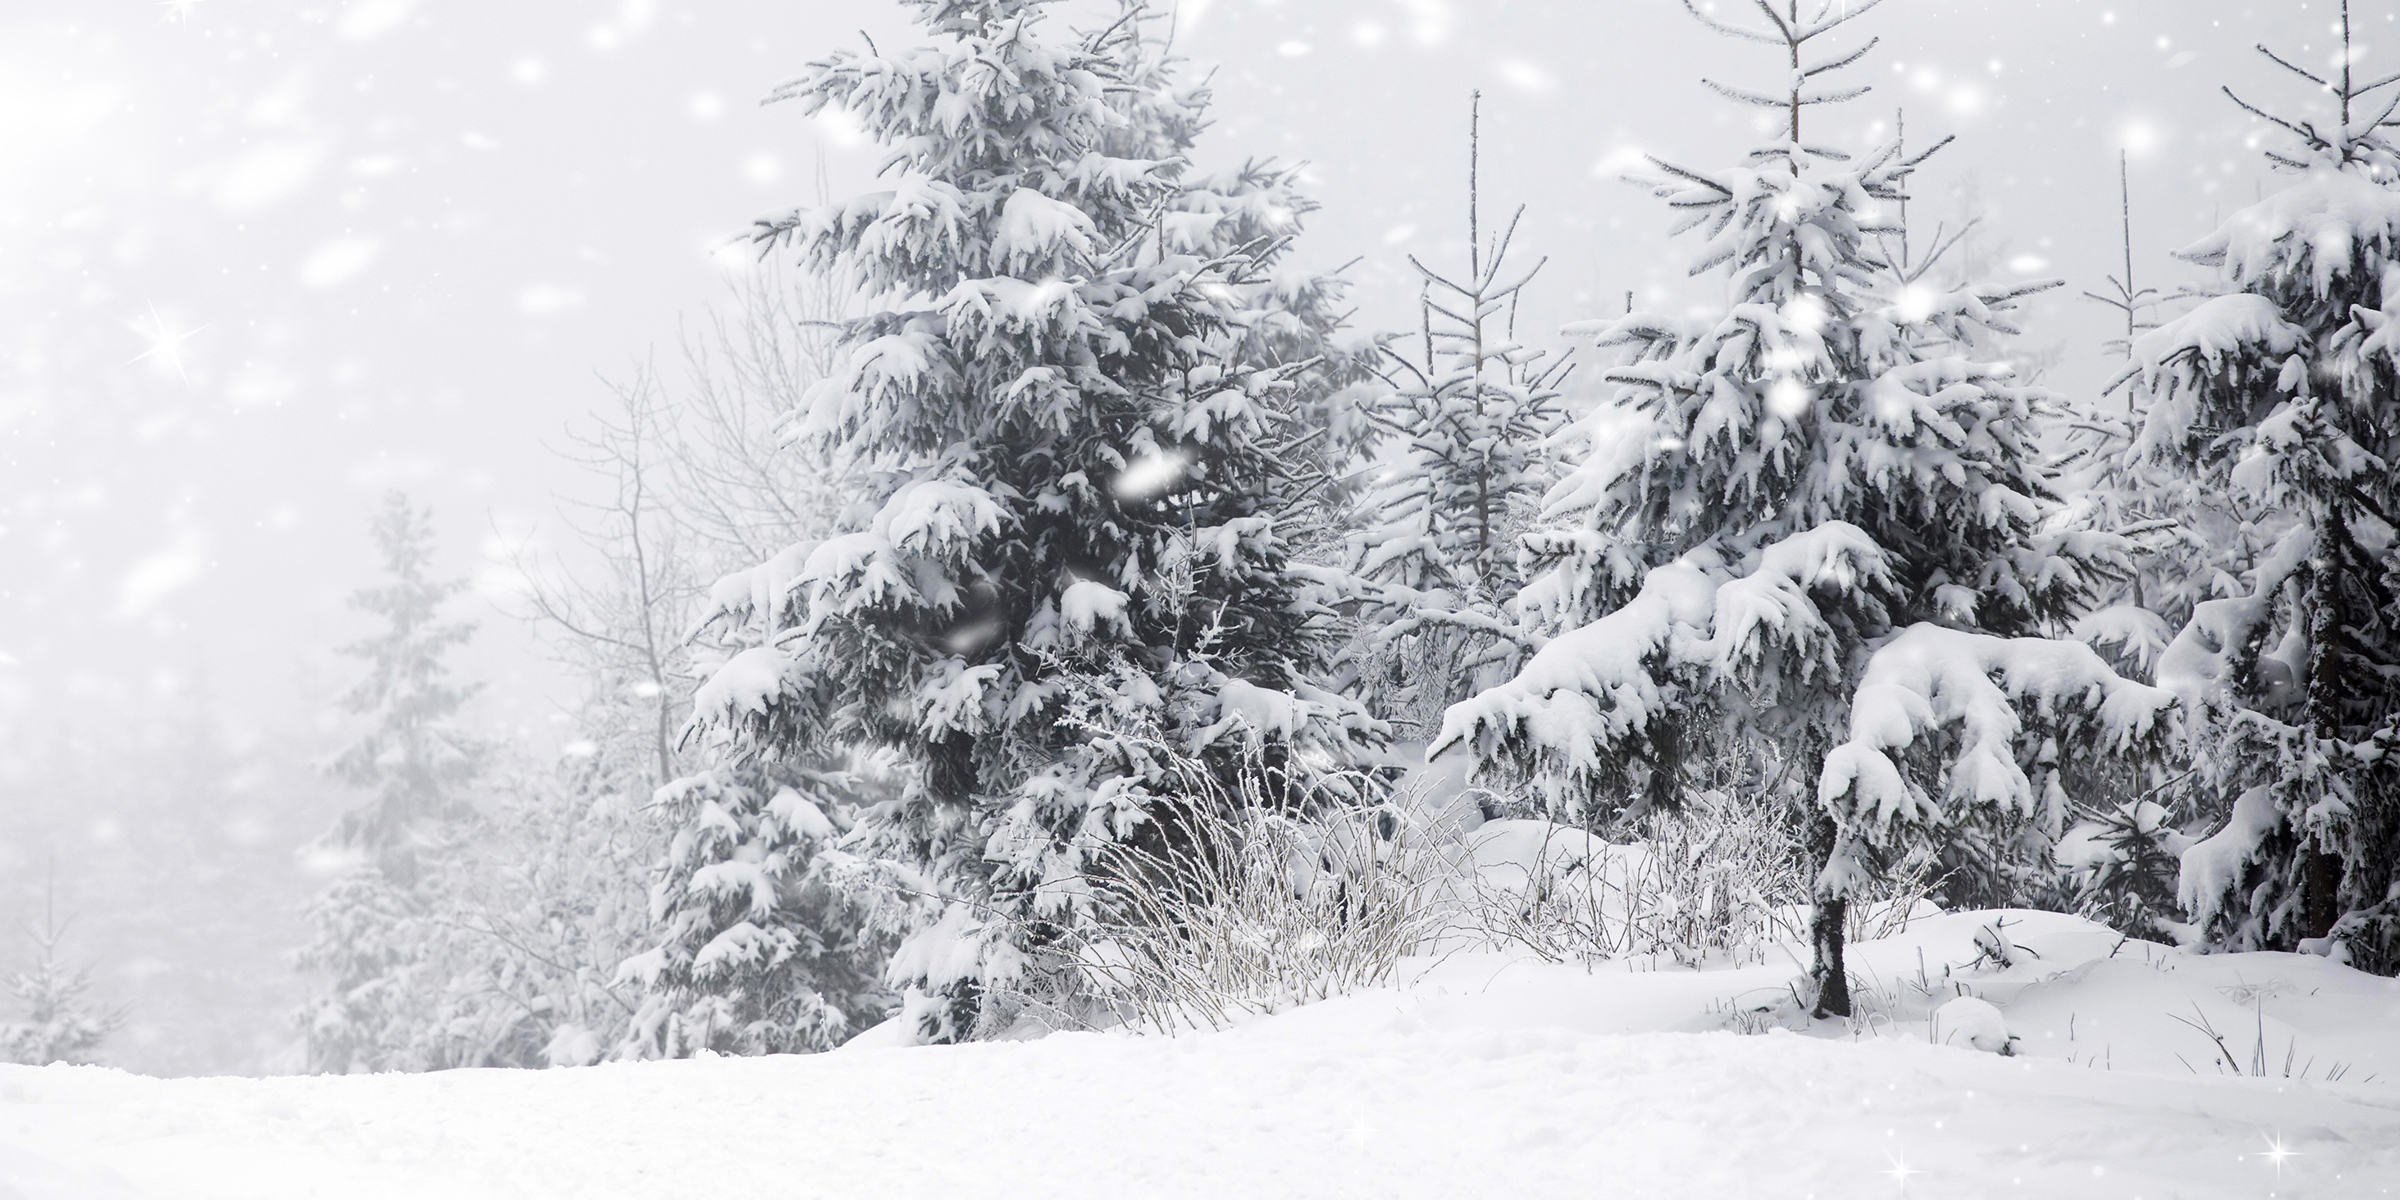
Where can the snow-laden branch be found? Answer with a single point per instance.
(1590, 692)
(1930, 679)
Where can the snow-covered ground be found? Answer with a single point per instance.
(1486, 1076)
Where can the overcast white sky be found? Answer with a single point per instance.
(260, 260)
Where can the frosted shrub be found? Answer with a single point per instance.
(1256, 910)
(1715, 881)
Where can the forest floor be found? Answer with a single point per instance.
(1484, 1076)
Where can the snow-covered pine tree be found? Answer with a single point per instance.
(749, 945)
(2185, 543)
(2284, 396)
(1465, 421)
(374, 935)
(413, 760)
(58, 1022)
(1067, 416)
(758, 946)
(1809, 536)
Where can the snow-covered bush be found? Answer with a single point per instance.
(1067, 419)
(546, 901)
(1238, 910)
(1713, 880)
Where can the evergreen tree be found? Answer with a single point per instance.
(1068, 417)
(761, 948)
(59, 1023)
(1465, 422)
(2185, 543)
(748, 943)
(2282, 396)
(413, 759)
(378, 930)
(1807, 554)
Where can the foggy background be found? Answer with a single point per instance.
(262, 261)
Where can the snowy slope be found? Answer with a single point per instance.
(1486, 1077)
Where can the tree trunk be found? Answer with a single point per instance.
(2321, 880)
(1827, 916)
(2323, 891)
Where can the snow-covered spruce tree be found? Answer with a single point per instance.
(754, 944)
(414, 761)
(1067, 416)
(57, 1021)
(748, 944)
(1464, 420)
(2284, 395)
(758, 948)
(2185, 543)
(1808, 539)
(374, 932)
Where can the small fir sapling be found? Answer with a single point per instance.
(1465, 423)
(758, 949)
(2187, 543)
(2283, 394)
(2139, 305)
(750, 942)
(1814, 528)
(57, 1021)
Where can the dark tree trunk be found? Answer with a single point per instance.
(1827, 916)
(2327, 693)
(2324, 892)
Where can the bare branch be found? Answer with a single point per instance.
(1836, 97)
(1839, 63)
(2279, 61)
(2384, 82)
(2308, 135)
(1732, 93)
(1930, 151)
(1776, 19)
(1732, 31)
(1689, 175)
(1851, 11)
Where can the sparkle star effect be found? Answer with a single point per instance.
(164, 344)
(2276, 1152)
(1900, 1172)
(180, 11)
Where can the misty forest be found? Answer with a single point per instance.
(1235, 598)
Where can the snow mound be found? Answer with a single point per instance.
(1969, 1021)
